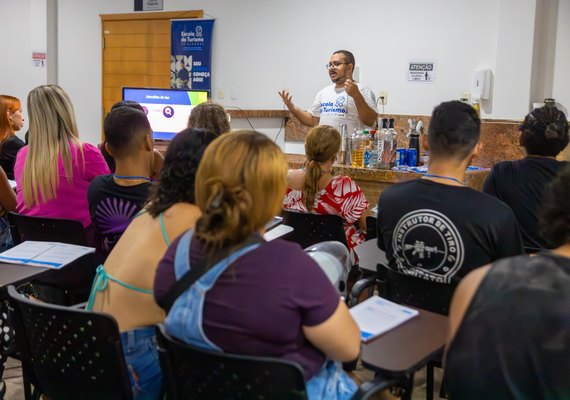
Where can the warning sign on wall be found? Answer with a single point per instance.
(421, 71)
(39, 59)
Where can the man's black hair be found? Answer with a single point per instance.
(124, 126)
(348, 56)
(454, 130)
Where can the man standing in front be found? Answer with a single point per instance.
(436, 228)
(341, 103)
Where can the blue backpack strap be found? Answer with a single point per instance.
(182, 256)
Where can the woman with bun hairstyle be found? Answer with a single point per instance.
(252, 297)
(521, 183)
(315, 189)
(11, 121)
(54, 170)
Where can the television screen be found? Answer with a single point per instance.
(167, 109)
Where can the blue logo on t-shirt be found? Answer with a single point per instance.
(340, 101)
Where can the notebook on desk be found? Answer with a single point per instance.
(44, 254)
(376, 316)
(275, 221)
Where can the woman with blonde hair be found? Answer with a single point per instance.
(11, 121)
(55, 169)
(314, 188)
(251, 297)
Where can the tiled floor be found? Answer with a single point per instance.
(13, 379)
(15, 390)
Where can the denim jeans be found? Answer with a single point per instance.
(141, 355)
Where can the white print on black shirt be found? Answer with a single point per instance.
(427, 245)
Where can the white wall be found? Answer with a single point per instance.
(263, 46)
(561, 81)
(23, 23)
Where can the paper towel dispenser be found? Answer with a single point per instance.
(481, 84)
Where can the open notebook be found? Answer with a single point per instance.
(44, 254)
(376, 316)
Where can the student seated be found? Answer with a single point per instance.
(54, 170)
(7, 204)
(520, 184)
(122, 287)
(509, 324)
(315, 189)
(436, 228)
(260, 303)
(11, 121)
(115, 199)
(158, 158)
(210, 116)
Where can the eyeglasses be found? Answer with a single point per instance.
(334, 64)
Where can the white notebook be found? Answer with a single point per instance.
(376, 316)
(44, 254)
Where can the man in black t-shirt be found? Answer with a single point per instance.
(436, 228)
(114, 200)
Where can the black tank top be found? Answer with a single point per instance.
(514, 341)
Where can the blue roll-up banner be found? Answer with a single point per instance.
(191, 54)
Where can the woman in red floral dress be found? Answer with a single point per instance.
(314, 189)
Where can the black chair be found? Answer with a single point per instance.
(404, 289)
(191, 373)
(44, 229)
(371, 228)
(69, 353)
(71, 284)
(310, 229)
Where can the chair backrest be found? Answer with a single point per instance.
(314, 228)
(191, 373)
(43, 229)
(371, 228)
(405, 289)
(70, 353)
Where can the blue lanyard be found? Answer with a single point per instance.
(133, 178)
(444, 177)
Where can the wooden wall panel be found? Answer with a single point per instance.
(136, 51)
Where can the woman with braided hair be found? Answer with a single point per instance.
(314, 189)
(521, 183)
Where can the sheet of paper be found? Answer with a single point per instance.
(44, 254)
(377, 315)
(277, 232)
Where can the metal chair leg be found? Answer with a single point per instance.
(429, 381)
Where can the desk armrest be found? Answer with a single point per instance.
(360, 286)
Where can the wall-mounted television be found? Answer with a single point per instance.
(167, 109)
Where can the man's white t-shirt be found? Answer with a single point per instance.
(334, 107)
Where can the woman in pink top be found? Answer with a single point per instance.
(55, 169)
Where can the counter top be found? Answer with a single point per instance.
(473, 179)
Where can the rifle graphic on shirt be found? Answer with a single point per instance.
(420, 249)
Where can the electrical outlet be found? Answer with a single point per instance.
(465, 97)
(220, 93)
(383, 98)
(234, 93)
